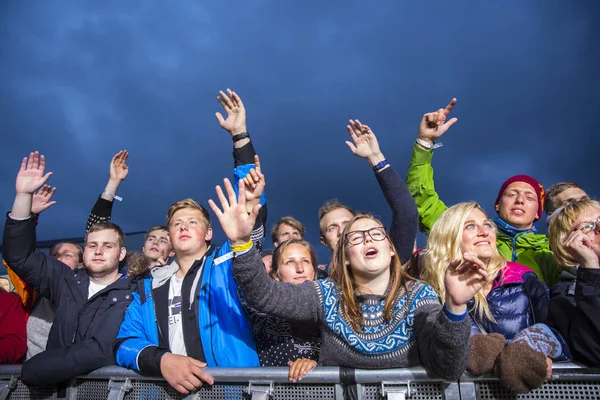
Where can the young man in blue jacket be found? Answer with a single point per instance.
(187, 315)
(90, 302)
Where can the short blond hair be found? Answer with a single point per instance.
(187, 203)
(562, 223)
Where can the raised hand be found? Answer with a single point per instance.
(254, 184)
(236, 112)
(118, 166)
(463, 279)
(580, 247)
(434, 125)
(41, 200)
(236, 221)
(364, 142)
(299, 368)
(32, 174)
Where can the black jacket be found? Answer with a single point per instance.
(575, 312)
(83, 331)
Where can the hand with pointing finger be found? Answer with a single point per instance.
(435, 124)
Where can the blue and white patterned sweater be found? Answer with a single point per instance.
(419, 333)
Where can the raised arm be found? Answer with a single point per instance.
(283, 300)
(246, 163)
(443, 332)
(419, 178)
(403, 229)
(41, 201)
(35, 268)
(102, 210)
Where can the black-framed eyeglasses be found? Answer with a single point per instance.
(588, 226)
(357, 237)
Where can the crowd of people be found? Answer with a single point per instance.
(485, 295)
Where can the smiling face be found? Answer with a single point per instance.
(370, 257)
(478, 236)
(295, 265)
(157, 244)
(189, 232)
(518, 205)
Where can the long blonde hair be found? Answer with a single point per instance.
(443, 245)
(562, 224)
(343, 277)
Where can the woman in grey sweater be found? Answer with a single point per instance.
(370, 312)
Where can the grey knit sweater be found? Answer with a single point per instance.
(420, 332)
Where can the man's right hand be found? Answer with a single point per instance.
(118, 166)
(183, 373)
(31, 176)
(433, 125)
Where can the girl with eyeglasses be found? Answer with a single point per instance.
(370, 312)
(574, 234)
(511, 308)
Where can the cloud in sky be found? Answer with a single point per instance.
(82, 80)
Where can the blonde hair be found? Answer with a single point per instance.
(187, 203)
(343, 277)
(444, 245)
(562, 224)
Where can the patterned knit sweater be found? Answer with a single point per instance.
(419, 333)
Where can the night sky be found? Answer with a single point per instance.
(82, 80)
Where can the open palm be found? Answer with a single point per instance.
(236, 112)
(235, 220)
(31, 175)
(364, 142)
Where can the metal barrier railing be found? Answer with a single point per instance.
(569, 381)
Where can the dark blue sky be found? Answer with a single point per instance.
(81, 80)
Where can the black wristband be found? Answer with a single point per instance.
(240, 136)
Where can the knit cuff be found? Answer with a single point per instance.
(452, 316)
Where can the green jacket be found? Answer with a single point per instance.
(532, 250)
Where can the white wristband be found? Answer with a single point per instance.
(114, 196)
(428, 145)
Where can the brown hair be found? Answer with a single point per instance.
(343, 277)
(554, 191)
(137, 263)
(55, 250)
(187, 203)
(281, 248)
(155, 228)
(328, 207)
(101, 226)
(288, 220)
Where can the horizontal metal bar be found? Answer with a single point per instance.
(561, 371)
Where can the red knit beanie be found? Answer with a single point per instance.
(537, 187)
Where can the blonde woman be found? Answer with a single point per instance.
(574, 233)
(371, 314)
(511, 307)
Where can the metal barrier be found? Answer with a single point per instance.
(569, 381)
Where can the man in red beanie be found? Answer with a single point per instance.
(519, 204)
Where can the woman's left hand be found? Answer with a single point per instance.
(299, 368)
(463, 279)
